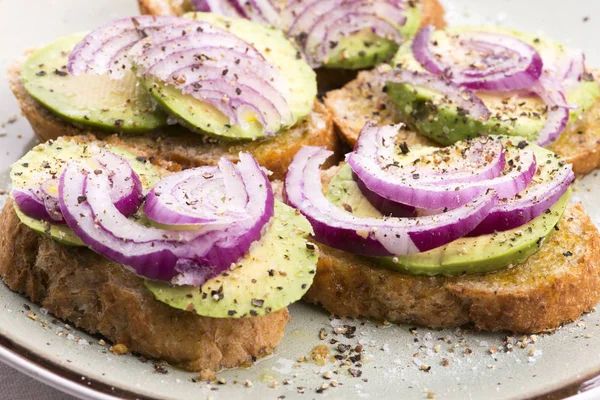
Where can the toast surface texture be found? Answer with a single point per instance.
(364, 99)
(101, 296)
(182, 146)
(550, 288)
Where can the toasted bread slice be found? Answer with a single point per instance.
(364, 99)
(328, 78)
(186, 148)
(554, 286)
(103, 297)
(433, 11)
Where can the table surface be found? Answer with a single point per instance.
(15, 385)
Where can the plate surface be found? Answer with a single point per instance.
(396, 358)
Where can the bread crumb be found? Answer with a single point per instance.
(319, 355)
(119, 349)
(207, 375)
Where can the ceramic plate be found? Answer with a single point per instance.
(398, 361)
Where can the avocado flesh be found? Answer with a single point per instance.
(88, 100)
(514, 113)
(468, 255)
(276, 272)
(360, 50)
(364, 49)
(31, 169)
(203, 118)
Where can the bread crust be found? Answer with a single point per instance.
(363, 99)
(550, 288)
(101, 296)
(164, 7)
(180, 145)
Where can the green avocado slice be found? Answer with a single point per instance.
(276, 272)
(93, 101)
(205, 119)
(46, 161)
(468, 255)
(514, 113)
(364, 49)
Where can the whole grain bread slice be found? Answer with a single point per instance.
(365, 99)
(102, 297)
(552, 287)
(182, 146)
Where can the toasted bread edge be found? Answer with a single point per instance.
(103, 297)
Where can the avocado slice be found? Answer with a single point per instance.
(468, 255)
(276, 272)
(92, 101)
(364, 49)
(46, 161)
(513, 113)
(205, 119)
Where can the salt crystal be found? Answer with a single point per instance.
(43, 311)
(337, 323)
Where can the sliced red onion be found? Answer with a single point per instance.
(102, 51)
(384, 206)
(125, 188)
(260, 11)
(463, 98)
(220, 69)
(190, 256)
(199, 196)
(537, 199)
(436, 195)
(203, 5)
(197, 35)
(32, 205)
(318, 25)
(557, 115)
(576, 69)
(491, 61)
(340, 229)
(479, 158)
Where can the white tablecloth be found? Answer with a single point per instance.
(17, 386)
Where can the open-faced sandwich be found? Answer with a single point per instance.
(338, 37)
(194, 267)
(190, 90)
(450, 85)
(478, 232)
